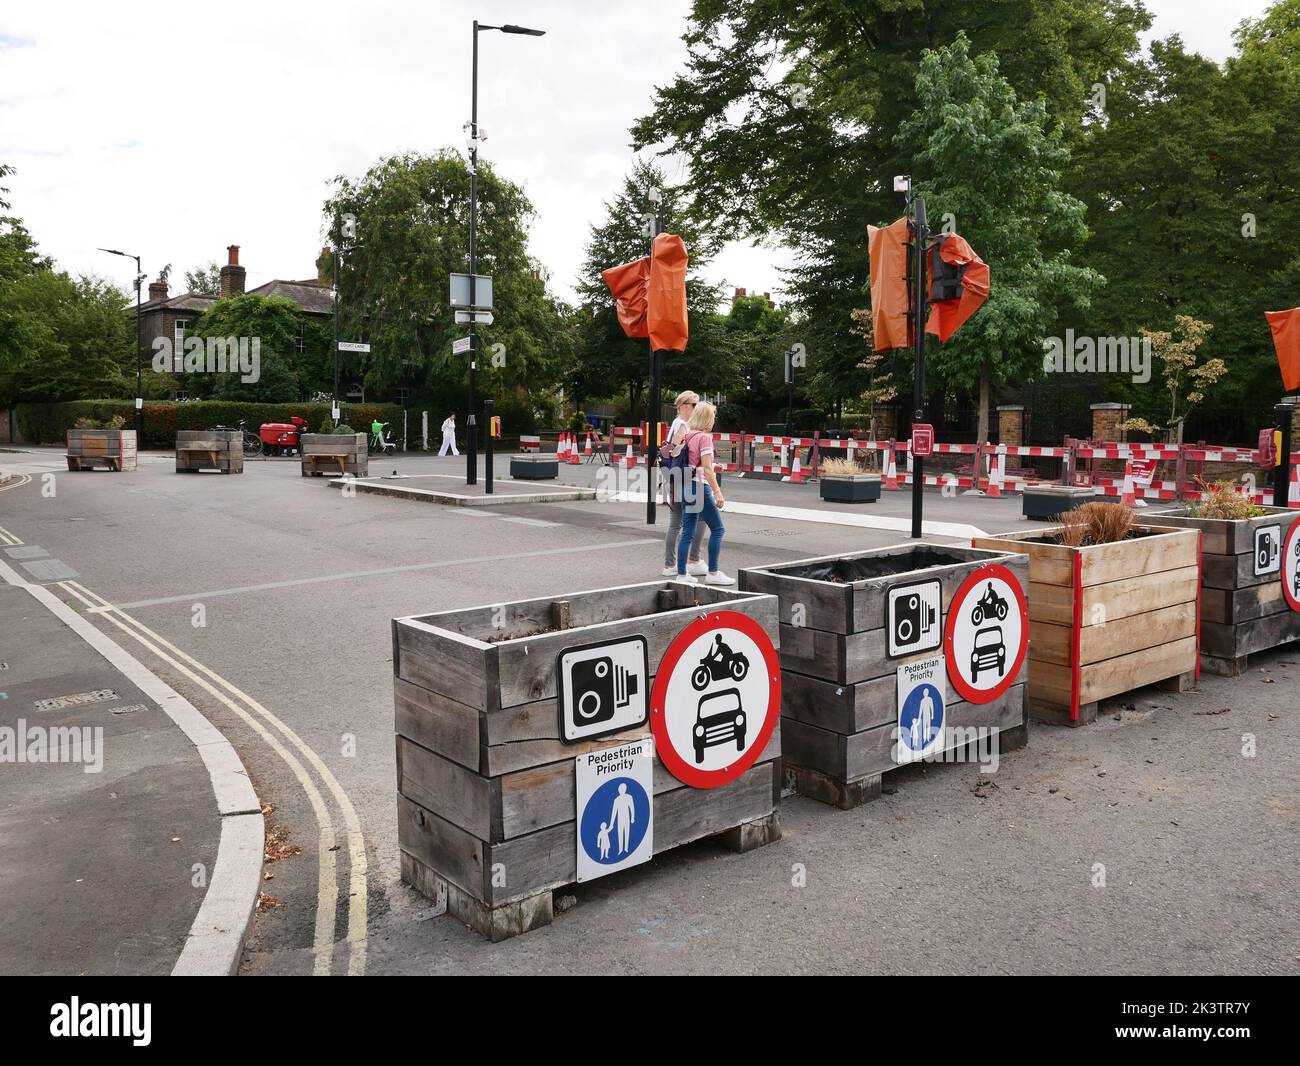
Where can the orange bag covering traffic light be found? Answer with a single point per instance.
(650, 295)
(629, 284)
(1286, 339)
(669, 325)
(888, 250)
(968, 282)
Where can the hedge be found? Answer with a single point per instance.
(47, 423)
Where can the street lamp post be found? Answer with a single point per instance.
(471, 444)
(139, 347)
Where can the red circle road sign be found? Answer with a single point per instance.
(1291, 566)
(715, 702)
(987, 634)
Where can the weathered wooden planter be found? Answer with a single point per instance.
(534, 467)
(486, 787)
(115, 448)
(210, 449)
(839, 712)
(850, 488)
(334, 453)
(1243, 610)
(1108, 618)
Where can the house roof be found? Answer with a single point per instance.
(313, 297)
(188, 301)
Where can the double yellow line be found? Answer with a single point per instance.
(267, 725)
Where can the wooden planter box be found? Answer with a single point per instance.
(839, 713)
(1241, 613)
(1108, 618)
(210, 449)
(334, 453)
(115, 448)
(849, 488)
(485, 785)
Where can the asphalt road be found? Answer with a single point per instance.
(295, 586)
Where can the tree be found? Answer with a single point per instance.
(879, 385)
(412, 216)
(1186, 379)
(988, 163)
(787, 109)
(204, 280)
(274, 321)
(608, 360)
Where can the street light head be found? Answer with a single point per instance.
(524, 30)
(112, 251)
(902, 183)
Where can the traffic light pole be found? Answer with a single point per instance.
(1282, 473)
(471, 422)
(652, 415)
(918, 388)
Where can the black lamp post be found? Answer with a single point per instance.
(471, 448)
(139, 348)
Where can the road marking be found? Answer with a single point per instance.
(19, 481)
(194, 597)
(216, 937)
(327, 895)
(5, 536)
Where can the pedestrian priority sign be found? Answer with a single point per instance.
(921, 723)
(602, 688)
(614, 788)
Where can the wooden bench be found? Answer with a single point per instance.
(87, 462)
(310, 463)
(115, 448)
(334, 453)
(215, 449)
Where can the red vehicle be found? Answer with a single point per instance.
(282, 438)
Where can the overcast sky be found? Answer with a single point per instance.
(175, 130)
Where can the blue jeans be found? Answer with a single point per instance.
(698, 506)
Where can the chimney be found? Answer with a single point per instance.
(740, 295)
(232, 274)
(767, 298)
(158, 290)
(325, 266)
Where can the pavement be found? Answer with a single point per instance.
(1148, 843)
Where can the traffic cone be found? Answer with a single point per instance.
(573, 452)
(796, 471)
(891, 470)
(1129, 497)
(997, 473)
(1293, 492)
(628, 458)
(560, 447)
(587, 450)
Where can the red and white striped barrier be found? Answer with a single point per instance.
(529, 443)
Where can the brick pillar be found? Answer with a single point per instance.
(1106, 418)
(1011, 424)
(886, 421)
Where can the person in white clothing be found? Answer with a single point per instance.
(449, 435)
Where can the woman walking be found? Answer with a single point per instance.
(701, 498)
(449, 435)
(672, 482)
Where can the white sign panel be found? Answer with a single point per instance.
(460, 290)
(461, 345)
(479, 318)
(602, 688)
(353, 346)
(921, 687)
(1268, 550)
(614, 790)
(914, 621)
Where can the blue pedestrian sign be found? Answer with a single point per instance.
(921, 723)
(614, 790)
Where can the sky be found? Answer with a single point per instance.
(204, 125)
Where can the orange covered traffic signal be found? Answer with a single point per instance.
(650, 295)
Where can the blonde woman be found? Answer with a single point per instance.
(701, 498)
(685, 404)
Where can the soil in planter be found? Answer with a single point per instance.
(537, 631)
(846, 571)
(1088, 542)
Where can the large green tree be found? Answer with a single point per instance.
(412, 232)
(274, 322)
(993, 167)
(787, 113)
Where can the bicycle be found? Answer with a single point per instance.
(251, 441)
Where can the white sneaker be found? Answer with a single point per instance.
(697, 568)
(669, 571)
(687, 579)
(717, 577)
